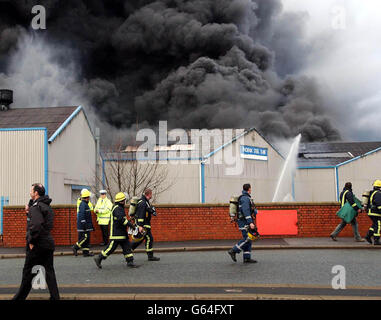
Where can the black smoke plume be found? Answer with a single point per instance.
(196, 63)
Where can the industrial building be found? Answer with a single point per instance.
(209, 176)
(325, 167)
(322, 169)
(54, 146)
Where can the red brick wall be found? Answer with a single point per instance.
(184, 222)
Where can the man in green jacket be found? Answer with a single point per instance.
(347, 196)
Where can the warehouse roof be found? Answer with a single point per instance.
(184, 151)
(50, 118)
(327, 154)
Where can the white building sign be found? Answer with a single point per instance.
(254, 153)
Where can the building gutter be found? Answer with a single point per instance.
(64, 125)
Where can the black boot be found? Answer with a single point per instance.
(131, 264)
(88, 254)
(75, 250)
(368, 238)
(152, 258)
(377, 242)
(98, 261)
(249, 260)
(232, 255)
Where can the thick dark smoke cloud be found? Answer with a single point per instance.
(197, 63)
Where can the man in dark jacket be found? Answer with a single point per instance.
(144, 211)
(347, 196)
(40, 244)
(84, 226)
(119, 234)
(246, 211)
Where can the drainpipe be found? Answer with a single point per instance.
(202, 182)
(337, 183)
(3, 202)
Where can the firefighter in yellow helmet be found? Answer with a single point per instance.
(79, 200)
(374, 213)
(118, 233)
(103, 211)
(84, 226)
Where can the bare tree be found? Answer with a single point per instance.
(123, 172)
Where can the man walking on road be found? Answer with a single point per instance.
(119, 235)
(84, 226)
(246, 224)
(143, 215)
(347, 195)
(40, 244)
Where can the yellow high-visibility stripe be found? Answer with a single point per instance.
(104, 253)
(147, 226)
(374, 214)
(118, 237)
(354, 205)
(147, 244)
(128, 255)
(371, 197)
(112, 221)
(343, 198)
(371, 203)
(140, 220)
(79, 244)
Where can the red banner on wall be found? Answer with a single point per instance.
(277, 222)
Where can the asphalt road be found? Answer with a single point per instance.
(296, 267)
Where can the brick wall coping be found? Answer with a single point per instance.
(198, 205)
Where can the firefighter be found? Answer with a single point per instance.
(144, 211)
(118, 235)
(374, 213)
(103, 211)
(84, 226)
(246, 224)
(79, 200)
(347, 195)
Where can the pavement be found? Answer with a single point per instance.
(279, 274)
(213, 245)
